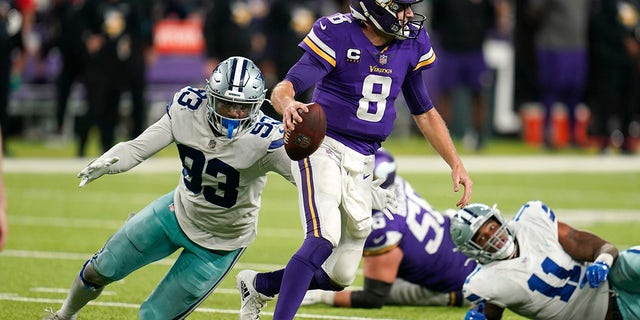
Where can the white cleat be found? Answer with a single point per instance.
(51, 315)
(251, 301)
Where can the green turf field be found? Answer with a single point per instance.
(55, 226)
(62, 148)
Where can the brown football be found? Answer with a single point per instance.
(308, 135)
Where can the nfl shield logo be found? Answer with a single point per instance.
(382, 58)
(212, 144)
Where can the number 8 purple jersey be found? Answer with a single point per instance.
(358, 93)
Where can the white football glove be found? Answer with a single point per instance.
(317, 296)
(383, 199)
(95, 170)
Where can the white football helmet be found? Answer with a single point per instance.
(237, 84)
(466, 223)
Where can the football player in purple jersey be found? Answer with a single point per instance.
(359, 63)
(409, 257)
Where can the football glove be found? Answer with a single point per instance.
(596, 272)
(383, 198)
(476, 313)
(95, 170)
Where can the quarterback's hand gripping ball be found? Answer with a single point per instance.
(307, 135)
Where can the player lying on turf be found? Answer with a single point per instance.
(408, 257)
(541, 268)
(226, 146)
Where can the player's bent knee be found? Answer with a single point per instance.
(105, 267)
(314, 250)
(91, 277)
(342, 276)
(147, 312)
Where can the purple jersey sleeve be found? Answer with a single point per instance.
(363, 81)
(423, 235)
(416, 95)
(306, 72)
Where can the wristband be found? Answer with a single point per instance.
(606, 258)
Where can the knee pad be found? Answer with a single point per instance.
(342, 264)
(90, 277)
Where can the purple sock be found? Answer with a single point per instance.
(268, 283)
(298, 275)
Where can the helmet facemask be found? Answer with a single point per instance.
(388, 16)
(465, 226)
(235, 92)
(498, 247)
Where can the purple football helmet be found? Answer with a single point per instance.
(385, 167)
(383, 14)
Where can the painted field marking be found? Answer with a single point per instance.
(473, 163)
(16, 298)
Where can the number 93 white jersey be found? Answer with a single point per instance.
(219, 192)
(543, 282)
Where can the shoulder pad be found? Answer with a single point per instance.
(189, 98)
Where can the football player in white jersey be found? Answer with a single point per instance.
(541, 268)
(226, 146)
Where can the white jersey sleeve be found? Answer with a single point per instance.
(148, 143)
(543, 282)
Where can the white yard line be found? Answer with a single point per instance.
(520, 164)
(473, 163)
(16, 298)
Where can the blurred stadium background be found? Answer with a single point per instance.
(187, 38)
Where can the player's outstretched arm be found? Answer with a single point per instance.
(95, 169)
(435, 131)
(130, 153)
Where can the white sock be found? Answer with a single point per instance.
(79, 296)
